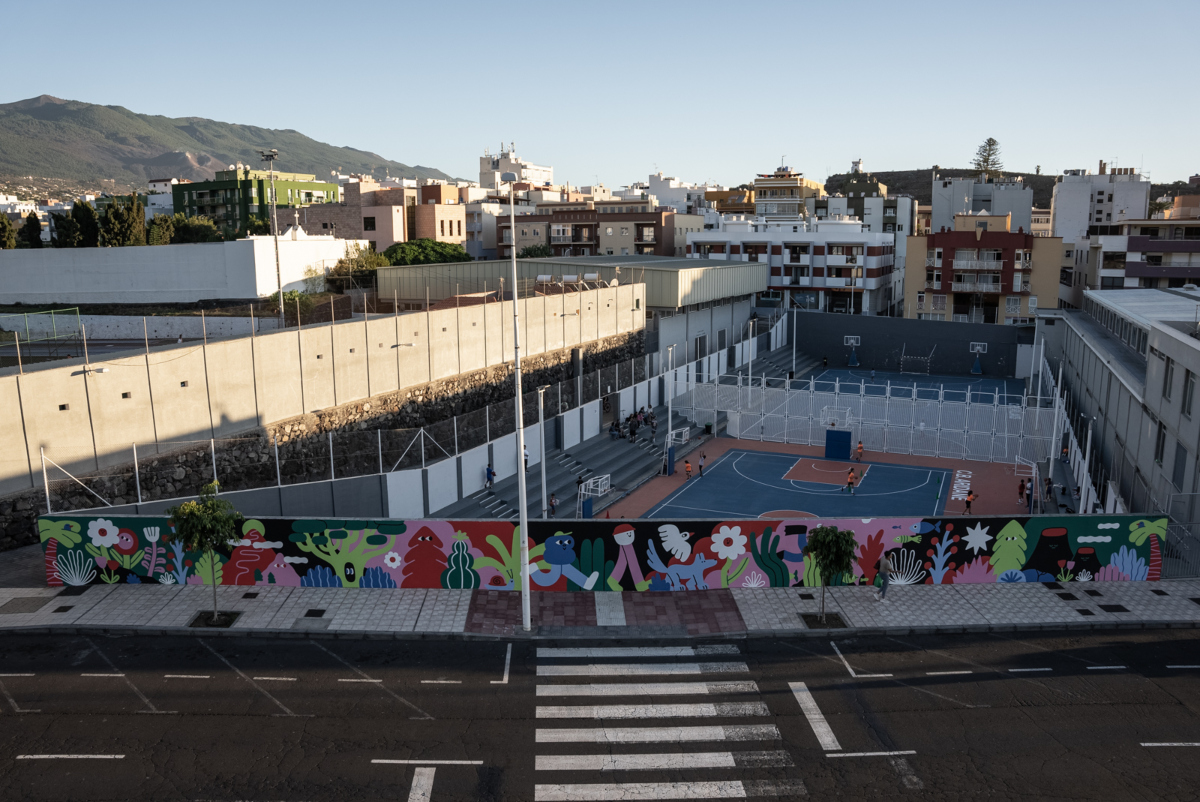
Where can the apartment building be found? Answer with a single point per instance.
(1041, 223)
(993, 196)
(730, 201)
(599, 228)
(670, 192)
(233, 196)
(367, 211)
(831, 264)
(1084, 204)
(1184, 207)
(781, 195)
(492, 166)
(865, 199)
(982, 272)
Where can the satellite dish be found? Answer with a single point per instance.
(232, 167)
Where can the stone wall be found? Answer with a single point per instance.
(359, 429)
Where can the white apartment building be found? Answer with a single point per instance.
(832, 264)
(670, 192)
(481, 225)
(492, 166)
(993, 196)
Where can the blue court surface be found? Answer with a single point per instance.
(982, 389)
(751, 484)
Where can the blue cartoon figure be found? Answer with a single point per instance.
(560, 554)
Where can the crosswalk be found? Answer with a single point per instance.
(740, 741)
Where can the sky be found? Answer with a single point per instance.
(614, 91)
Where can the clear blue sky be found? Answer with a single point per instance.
(704, 90)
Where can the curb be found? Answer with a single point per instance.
(534, 635)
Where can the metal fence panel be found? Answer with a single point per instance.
(981, 418)
(774, 428)
(822, 400)
(799, 404)
(927, 413)
(925, 442)
(952, 445)
(899, 440)
(751, 427)
(900, 413)
(874, 409)
(727, 398)
(979, 446)
(954, 417)
(705, 396)
(1005, 448)
(775, 401)
(873, 436)
(852, 403)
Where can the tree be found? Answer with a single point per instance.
(426, 252)
(540, 251)
(66, 231)
(8, 234)
(84, 214)
(124, 225)
(160, 230)
(833, 550)
(987, 158)
(358, 260)
(1037, 170)
(205, 525)
(190, 230)
(256, 226)
(30, 235)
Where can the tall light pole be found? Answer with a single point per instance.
(269, 156)
(793, 311)
(523, 505)
(542, 441)
(670, 391)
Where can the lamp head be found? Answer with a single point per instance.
(508, 177)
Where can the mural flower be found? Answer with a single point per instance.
(754, 580)
(729, 543)
(103, 533)
(150, 533)
(1011, 575)
(392, 560)
(1084, 576)
(907, 569)
(977, 538)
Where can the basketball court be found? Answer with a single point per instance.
(977, 389)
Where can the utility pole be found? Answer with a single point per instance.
(269, 157)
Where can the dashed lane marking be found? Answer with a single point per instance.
(1175, 743)
(816, 719)
(507, 663)
(1026, 670)
(663, 762)
(441, 682)
(637, 792)
(275, 679)
(70, 757)
(617, 712)
(431, 762)
(102, 675)
(652, 735)
(594, 652)
(31, 675)
(871, 754)
(187, 676)
(641, 669)
(423, 717)
(360, 680)
(1105, 668)
(1167, 667)
(944, 673)
(648, 689)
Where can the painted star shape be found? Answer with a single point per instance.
(977, 538)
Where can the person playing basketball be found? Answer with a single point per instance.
(850, 480)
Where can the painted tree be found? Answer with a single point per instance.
(1155, 530)
(346, 545)
(833, 551)
(30, 235)
(52, 533)
(205, 525)
(459, 573)
(987, 158)
(1008, 549)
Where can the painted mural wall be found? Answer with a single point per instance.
(600, 555)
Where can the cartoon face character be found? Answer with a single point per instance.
(126, 542)
(624, 535)
(560, 549)
(429, 538)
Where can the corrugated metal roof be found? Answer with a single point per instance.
(1147, 306)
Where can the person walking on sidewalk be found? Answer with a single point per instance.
(701, 463)
(858, 451)
(526, 459)
(490, 476)
(687, 470)
(885, 577)
(1049, 489)
(553, 502)
(970, 497)
(850, 479)
(1021, 492)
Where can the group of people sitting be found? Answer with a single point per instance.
(633, 422)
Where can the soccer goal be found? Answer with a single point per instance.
(921, 365)
(836, 417)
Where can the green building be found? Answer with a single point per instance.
(235, 195)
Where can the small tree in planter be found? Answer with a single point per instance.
(833, 550)
(204, 525)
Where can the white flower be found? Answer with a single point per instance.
(754, 580)
(166, 579)
(729, 543)
(977, 538)
(1084, 576)
(392, 560)
(103, 532)
(151, 534)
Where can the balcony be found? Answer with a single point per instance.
(931, 261)
(798, 259)
(646, 238)
(978, 264)
(569, 239)
(972, 286)
(474, 226)
(933, 285)
(839, 260)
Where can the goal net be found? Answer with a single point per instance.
(836, 417)
(916, 364)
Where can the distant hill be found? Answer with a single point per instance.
(919, 183)
(69, 139)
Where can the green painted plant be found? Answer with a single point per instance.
(346, 545)
(459, 574)
(1008, 550)
(591, 558)
(765, 551)
(834, 551)
(727, 576)
(206, 524)
(210, 568)
(509, 562)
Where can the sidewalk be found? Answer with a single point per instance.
(489, 614)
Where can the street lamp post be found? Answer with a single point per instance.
(523, 503)
(269, 157)
(542, 442)
(670, 391)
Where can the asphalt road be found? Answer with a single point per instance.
(1050, 716)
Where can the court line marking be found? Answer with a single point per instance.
(145, 699)
(441, 682)
(1026, 670)
(816, 720)
(801, 491)
(70, 757)
(872, 754)
(1175, 743)
(507, 663)
(430, 762)
(1105, 668)
(380, 685)
(944, 673)
(851, 670)
(187, 676)
(242, 674)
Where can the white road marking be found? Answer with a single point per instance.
(422, 787)
(648, 689)
(17, 675)
(653, 735)
(1024, 670)
(242, 674)
(639, 792)
(102, 675)
(851, 670)
(274, 679)
(380, 685)
(507, 663)
(431, 762)
(13, 702)
(592, 652)
(360, 680)
(870, 754)
(70, 757)
(944, 673)
(725, 710)
(663, 762)
(145, 699)
(1105, 668)
(907, 776)
(1174, 743)
(30, 675)
(610, 609)
(441, 682)
(187, 676)
(641, 669)
(816, 720)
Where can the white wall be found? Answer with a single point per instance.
(124, 327)
(161, 274)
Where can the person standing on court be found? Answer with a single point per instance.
(1021, 492)
(850, 479)
(970, 497)
(885, 576)
(490, 476)
(687, 470)
(825, 362)
(701, 463)
(872, 374)
(858, 451)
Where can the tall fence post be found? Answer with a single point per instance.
(17, 340)
(278, 475)
(137, 479)
(455, 435)
(45, 481)
(379, 444)
(212, 446)
(332, 474)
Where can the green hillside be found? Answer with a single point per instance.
(919, 183)
(69, 139)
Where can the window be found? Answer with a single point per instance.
(127, 395)
(1168, 378)
(442, 227)
(1033, 303)
(608, 231)
(939, 303)
(64, 407)
(624, 231)
(1189, 392)
(1180, 465)
(1012, 305)
(1160, 444)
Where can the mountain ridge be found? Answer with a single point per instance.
(88, 142)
